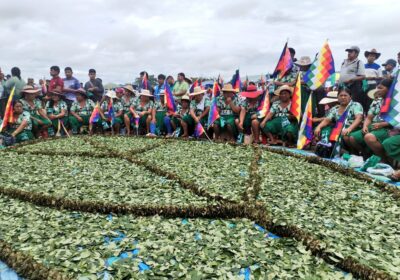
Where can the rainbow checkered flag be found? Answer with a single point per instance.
(390, 110)
(321, 69)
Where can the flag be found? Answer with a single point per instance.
(220, 81)
(295, 107)
(265, 104)
(137, 122)
(169, 98)
(111, 113)
(306, 129)
(236, 82)
(337, 130)
(213, 115)
(321, 69)
(246, 82)
(390, 110)
(199, 130)
(145, 82)
(95, 116)
(284, 64)
(196, 83)
(9, 112)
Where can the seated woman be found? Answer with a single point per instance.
(375, 129)
(158, 114)
(33, 105)
(112, 100)
(21, 127)
(248, 119)
(81, 111)
(128, 101)
(199, 109)
(353, 120)
(57, 112)
(142, 111)
(173, 121)
(279, 121)
(228, 109)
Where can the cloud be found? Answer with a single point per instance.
(121, 38)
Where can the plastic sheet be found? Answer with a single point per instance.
(7, 273)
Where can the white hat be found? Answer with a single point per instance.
(111, 94)
(197, 91)
(146, 92)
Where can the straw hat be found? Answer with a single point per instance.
(197, 91)
(29, 89)
(111, 94)
(185, 98)
(283, 88)
(373, 51)
(130, 88)
(228, 88)
(329, 98)
(251, 92)
(371, 93)
(146, 92)
(304, 61)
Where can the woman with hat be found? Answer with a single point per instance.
(128, 102)
(199, 109)
(228, 109)
(248, 120)
(329, 101)
(375, 130)
(143, 109)
(279, 121)
(57, 112)
(81, 110)
(112, 100)
(32, 105)
(173, 120)
(21, 127)
(354, 115)
(158, 114)
(304, 65)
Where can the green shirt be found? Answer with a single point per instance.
(375, 110)
(84, 111)
(117, 106)
(32, 109)
(25, 116)
(180, 87)
(249, 107)
(180, 111)
(288, 78)
(19, 85)
(56, 109)
(159, 106)
(146, 107)
(126, 104)
(278, 111)
(354, 110)
(225, 109)
(200, 107)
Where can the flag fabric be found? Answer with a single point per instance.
(111, 113)
(306, 129)
(220, 81)
(137, 121)
(169, 98)
(337, 130)
(236, 82)
(196, 83)
(284, 64)
(321, 69)
(265, 104)
(213, 115)
(145, 82)
(44, 87)
(9, 112)
(390, 110)
(199, 130)
(246, 82)
(95, 116)
(295, 107)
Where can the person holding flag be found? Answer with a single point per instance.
(279, 122)
(199, 109)
(112, 111)
(173, 119)
(143, 109)
(81, 110)
(159, 113)
(228, 108)
(57, 111)
(19, 124)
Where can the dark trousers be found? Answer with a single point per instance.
(3, 104)
(358, 95)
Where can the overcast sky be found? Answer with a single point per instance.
(199, 37)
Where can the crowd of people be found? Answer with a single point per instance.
(64, 106)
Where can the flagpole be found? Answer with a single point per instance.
(340, 134)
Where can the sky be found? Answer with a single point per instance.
(120, 38)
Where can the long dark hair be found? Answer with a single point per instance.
(16, 72)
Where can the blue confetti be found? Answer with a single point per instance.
(185, 221)
(271, 235)
(197, 236)
(243, 173)
(119, 237)
(246, 272)
(106, 276)
(124, 255)
(260, 228)
(111, 260)
(135, 252)
(109, 217)
(231, 225)
(143, 267)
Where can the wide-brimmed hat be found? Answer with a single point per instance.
(304, 61)
(129, 88)
(185, 98)
(373, 51)
(283, 88)
(329, 98)
(188, 80)
(111, 94)
(145, 92)
(29, 89)
(371, 93)
(251, 92)
(228, 88)
(197, 91)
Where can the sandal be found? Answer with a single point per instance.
(395, 177)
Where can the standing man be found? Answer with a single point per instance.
(56, 83)
(71, 86)
(373, 71)
(181, 87)
(390, 69)
(94, 86)
(352, 74)
(171, 82)
(159, 87)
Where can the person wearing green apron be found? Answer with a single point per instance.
(33, 105)
(173, 120)
(329, 101)
(248, 119)
(112, 98)
(375, 130)
(57, 112)
(353, 120)
(81, 110)
(21, 127)
(128, 101)
(391, 147)
(142, 110)
(279, 122)
(199, 109)
(159, 113)
(228, 109)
